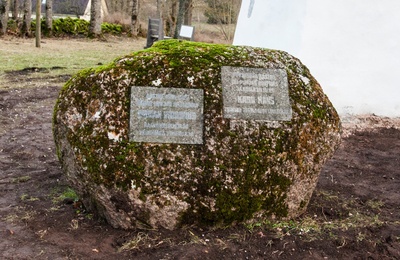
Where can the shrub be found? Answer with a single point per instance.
(69, 26)
(111, 28)
(74, 27)
(12, 27)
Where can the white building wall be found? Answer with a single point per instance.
(352, 47)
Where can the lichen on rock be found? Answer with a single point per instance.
(243, 169)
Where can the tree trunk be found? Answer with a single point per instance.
(49, 17)
(121, 6)
(26, 21)
(134, 18)
(95, 19)
(179, 21)
(160, 9)
(38, 33)
(111, 6)
(4, 8)
(15, 10)
(188, 12)
(171, 17)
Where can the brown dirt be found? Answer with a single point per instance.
(354, 212)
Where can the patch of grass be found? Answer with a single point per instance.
(55, 208)
(135, 243)
(312, 228)
(73, 55)
(68, 193)
(21, 215)
(20, 179)
(252, 225)
(74, 224)
(360, 237)
(305, 226)
(326, 195)
(375, 204)
(26, 197)
(41, 233)
(357, 220)
(28, 215)
(11, 218)
(195, 239)
(69, 55)
(144, 240)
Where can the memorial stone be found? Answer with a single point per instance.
(187, 133)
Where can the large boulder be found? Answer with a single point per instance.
(194, 133)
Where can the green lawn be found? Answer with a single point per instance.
(70, 54)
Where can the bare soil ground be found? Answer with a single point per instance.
(353, 214)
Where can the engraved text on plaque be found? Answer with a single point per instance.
(166, 115)
(256, 94)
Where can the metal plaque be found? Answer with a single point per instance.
(166, 115)
(256, 94)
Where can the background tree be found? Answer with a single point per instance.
(160, 8)
(26, 20)
(134, 18)
(188, 12)
(15, 9)
(4, 8)
(169, 15)
(174, 13)
(95, 18)
(223, 13)
(38, 25)
(179, 20)
(49, 17)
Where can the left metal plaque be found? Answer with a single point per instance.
(166, 115)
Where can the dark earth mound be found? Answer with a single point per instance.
(354, 212)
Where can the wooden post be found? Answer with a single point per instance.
(38, 33)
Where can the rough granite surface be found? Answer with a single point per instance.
(243, 170)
